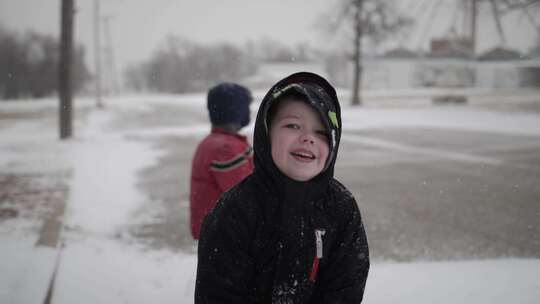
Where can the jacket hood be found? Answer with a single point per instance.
(320, 95)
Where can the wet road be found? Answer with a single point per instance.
(445, 194)
(425, 194)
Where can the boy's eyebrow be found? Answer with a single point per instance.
(289, 116)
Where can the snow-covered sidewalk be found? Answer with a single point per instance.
(96, 260)
(100, 263)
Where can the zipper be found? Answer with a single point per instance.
(318, 254)
(318, 242)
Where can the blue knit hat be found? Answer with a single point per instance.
(228, 103)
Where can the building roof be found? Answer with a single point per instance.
(500, 53)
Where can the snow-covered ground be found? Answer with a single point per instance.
(96, 262)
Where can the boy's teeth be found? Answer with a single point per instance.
(303, 154)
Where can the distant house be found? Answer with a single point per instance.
(449, 63)
(500, 53)
(456, 47)
(400, 53)
(534, 53)
(502, 67)
(530, 75)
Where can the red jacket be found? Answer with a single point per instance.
(221, 160)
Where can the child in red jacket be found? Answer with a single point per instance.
(224, 157)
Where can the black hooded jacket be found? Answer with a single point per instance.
(271, 239)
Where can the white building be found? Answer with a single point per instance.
(447, 72)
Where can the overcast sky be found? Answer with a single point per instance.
(139, 26)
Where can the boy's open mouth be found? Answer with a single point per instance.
(305, 155)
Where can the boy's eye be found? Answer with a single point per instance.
(292, 126)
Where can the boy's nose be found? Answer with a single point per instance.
(307, 138)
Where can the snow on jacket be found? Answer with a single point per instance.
(221, 160)
(271, 239)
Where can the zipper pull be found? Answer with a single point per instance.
(319, 242)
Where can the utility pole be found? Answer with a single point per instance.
(110, 72)
(97, 53)
(357, 56)
(474, 13)
(465, 21)
(65, 68)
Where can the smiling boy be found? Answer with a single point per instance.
(290, 232)
(299, 140)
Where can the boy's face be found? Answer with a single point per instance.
(299, 140)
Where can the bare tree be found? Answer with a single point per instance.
(180, 66)
(376, 20)
(518, 4)
(65, 69)
(529, 8)
(497, 10)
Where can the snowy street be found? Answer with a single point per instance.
(450, 196)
